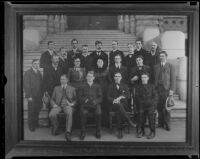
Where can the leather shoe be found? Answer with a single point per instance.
(120, 136)
(160, 126)
(167, 127)
(54, 131)
(82, 136)
(140, 134)
(98, 134)
(31, 128)
(151, 135)
(68, 136)
(132, 124)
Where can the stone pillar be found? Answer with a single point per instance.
(120, 23)
(66, 23)
(126, 24)
(132, 25)
(50, 24)
(57, 23)
(62, 23)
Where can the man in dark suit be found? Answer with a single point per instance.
(115, 52)
(141, 51)
(90, 97)
(63, 61)
(45, 59)
(146, 102)
(86, 60)
(75, 52)
(33, 93)
(130, 59)
(154, 56)
(135, 75)
(118, 96)
(63, 98)
(99, 54)
(117, 67)
(165, 80)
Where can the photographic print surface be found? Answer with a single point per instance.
(124, 78)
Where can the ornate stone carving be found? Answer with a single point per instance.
(126, 24)
(132, 25)
(120, 22)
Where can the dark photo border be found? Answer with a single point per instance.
(16, 146)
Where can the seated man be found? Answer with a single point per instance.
(118, 95)
(63, 98)
(90, 97)
(146, 101)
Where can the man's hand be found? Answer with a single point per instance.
(30, 99)
(135, 78)
(55, 106)
(171, 93)
(86, 100)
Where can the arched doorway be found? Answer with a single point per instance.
(92, 22)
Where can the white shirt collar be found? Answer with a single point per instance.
(118, 65)
(64, 86)
(35, 70)
(90, 84)
(163, 63)
(51, 52)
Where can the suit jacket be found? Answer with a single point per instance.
(95, 57)
(123, 71)
(153, 60)
(51, 78)
(136, 72)
(57, 95)
(72, 55)
(64, 65)
(112, 55)
(93, 94)
(86, 62)
(76, 76)
(168, 76)
(45, 59)
(146, 96)
(32, 84)
(113, 93)
(130, 61)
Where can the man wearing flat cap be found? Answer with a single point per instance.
(165, 81)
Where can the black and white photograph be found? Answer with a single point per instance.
(104, 77)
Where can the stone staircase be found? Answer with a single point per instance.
(89, 37)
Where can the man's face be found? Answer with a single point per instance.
(63, 53)
(138, 44)
(90, 77)
(100, 63)
(130, 48)
(85, 50)
(51, 46)
(63, 80)
(114, 45)
(153, 46)
(117, 77)
(36, 65)
(77, 62)
(139, 61)
(55, 59)
(163, 58)
(145, 79)
(74, 44)
(117, 59)
(98, 46)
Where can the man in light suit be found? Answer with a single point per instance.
(165, 81)
(63, 98)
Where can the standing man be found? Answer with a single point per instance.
(154, 56)
(86, 60)
(118, 96)
(63, 61)
(115, 52)
(141, 51)
(63, 98)
(135, 75)
(165, 80)
(90, 97)
(130, 59)
(75, 52)
(33, 93)
(45, 59)
(99, 54)
(146, 103)
(117, 67)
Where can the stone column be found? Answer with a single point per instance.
(57, 23)
(50, 25)
(126, 24)
(66, 23)
(62, 23)
(120, 23)
(132, 25)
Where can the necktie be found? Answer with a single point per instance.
(64, 92)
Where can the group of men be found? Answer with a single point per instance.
(98, 83)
